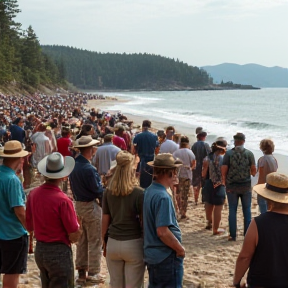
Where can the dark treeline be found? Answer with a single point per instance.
(93, 70)
(21, 58)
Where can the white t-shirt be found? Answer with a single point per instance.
(168, 146)
(186, 156)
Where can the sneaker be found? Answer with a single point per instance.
(96, 278)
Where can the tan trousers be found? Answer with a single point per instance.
(125, 263)
(89, 247)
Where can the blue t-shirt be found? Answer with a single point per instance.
(11, 195)
(145, 143)
(17, 133)
(158, 211)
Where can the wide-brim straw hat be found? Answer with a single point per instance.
(85, 141)
(275, 188)
(165, 160)
(55, 166)
(13, 149)
(124, 158)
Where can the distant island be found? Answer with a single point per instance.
(251, 74)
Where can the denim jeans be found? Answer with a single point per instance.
(55, 262)
(233, 199)
(262, 203)
(146, 172)
(166, 274)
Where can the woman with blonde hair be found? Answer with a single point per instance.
(121, 220)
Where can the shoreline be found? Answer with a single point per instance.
(158, 124)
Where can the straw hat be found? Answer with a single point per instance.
(165, 160)
(13, 149)
(221, 142)
(85, 141)
(54, 166)
(275, 188)
(124, 158)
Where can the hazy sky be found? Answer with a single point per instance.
(199, 32)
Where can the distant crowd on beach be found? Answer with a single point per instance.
(72, 174)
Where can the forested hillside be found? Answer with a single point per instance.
(22, 61)
(93, 70)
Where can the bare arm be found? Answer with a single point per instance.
(74, 237)
(20, 213)
(106, 219)
(205, 168)
(193, 164)
(246, 253)
(167, 237)
(224, 171)
(253, 170)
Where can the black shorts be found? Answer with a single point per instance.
(13, 255)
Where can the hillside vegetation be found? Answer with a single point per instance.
(93, 70)
(22, 61)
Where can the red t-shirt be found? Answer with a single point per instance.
(63, 145)
(119, 142)
(50, 214)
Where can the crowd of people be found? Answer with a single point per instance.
(129, 193)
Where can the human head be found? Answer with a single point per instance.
(87, 129)
(219, 146)
(184, 142)
(119, 130)
(275, 190)
(65, 132)
(239, 139)
(123, 180)
(202, 135)
(176, 138)
(170, 130)
(93, 115)
(42, 127)
(108, 138)
(19, 121)
(165, 168)
(13, 154)
(267, 146)
(146, 124)
(86, 146)
(54, 166)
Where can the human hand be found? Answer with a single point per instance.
(181, 253)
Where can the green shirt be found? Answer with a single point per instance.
(125, 212)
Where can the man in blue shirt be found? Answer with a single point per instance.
(17, 131)
(13, 235)
(144, 145)
(163, 252)
(87, 191)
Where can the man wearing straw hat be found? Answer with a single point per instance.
(87, 191)
(264, 250)
(13, 234)
(162, 236)
(52, 217)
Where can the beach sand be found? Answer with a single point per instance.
(210, 260)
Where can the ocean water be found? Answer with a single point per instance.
(258, 114)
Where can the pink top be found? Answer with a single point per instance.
(119, 142)
(50, 214)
